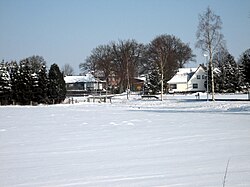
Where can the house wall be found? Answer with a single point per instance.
(93, 86)
(84, 86)
(75, 86)
(197, 80)
(181, 87)
(178, 87)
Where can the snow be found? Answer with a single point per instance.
(85, 78)
(182, 75)
(178, 142)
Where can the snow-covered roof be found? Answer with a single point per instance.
(85, 78)
(141, 78)
(182, 75)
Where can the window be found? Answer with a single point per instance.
(195, 86)
(203, 76)
(198, 77)
(173, 86)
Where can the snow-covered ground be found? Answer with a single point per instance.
(145, 143)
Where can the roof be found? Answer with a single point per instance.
(182, 75)
(141, 78)
(85, 78)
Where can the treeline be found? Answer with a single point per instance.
(126, 59)
(28, 82)
(160, 60)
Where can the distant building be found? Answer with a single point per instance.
(113, 81)
(84, 84)
(138, 83)
(188, 80)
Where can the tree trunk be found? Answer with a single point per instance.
(212, 75)
(128, 83)
(162, 82)
(107, 80)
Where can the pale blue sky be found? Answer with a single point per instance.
(65, 31)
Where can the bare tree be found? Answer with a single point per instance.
(67, 70)
(209, 38)
(167, 53)
(185, 54)
(35, 63)
(100, 62)
(120, 59)
(127, 55)
(89, 65)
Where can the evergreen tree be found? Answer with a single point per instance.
(33, 80)
(228, 78)
(230, 75)
(39, 78)
(153, 82)
(5, 84)
(241, 78)
(245, 67)
(56, 85)
(42, 85)
(34, 88)
(25, 83)
(15, 81)
(218, 79)
(219, 59)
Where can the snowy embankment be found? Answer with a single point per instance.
(186, 103)
(177, 142)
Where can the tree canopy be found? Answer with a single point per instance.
(126, 59)
(27, 82)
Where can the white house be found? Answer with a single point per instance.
(189, 80)
(86, 82)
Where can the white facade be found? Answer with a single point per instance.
(188, 80)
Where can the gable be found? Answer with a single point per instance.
(199, 72)
(182, 75)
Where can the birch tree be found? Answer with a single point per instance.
(209, 38)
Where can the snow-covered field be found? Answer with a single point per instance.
(147, 143)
